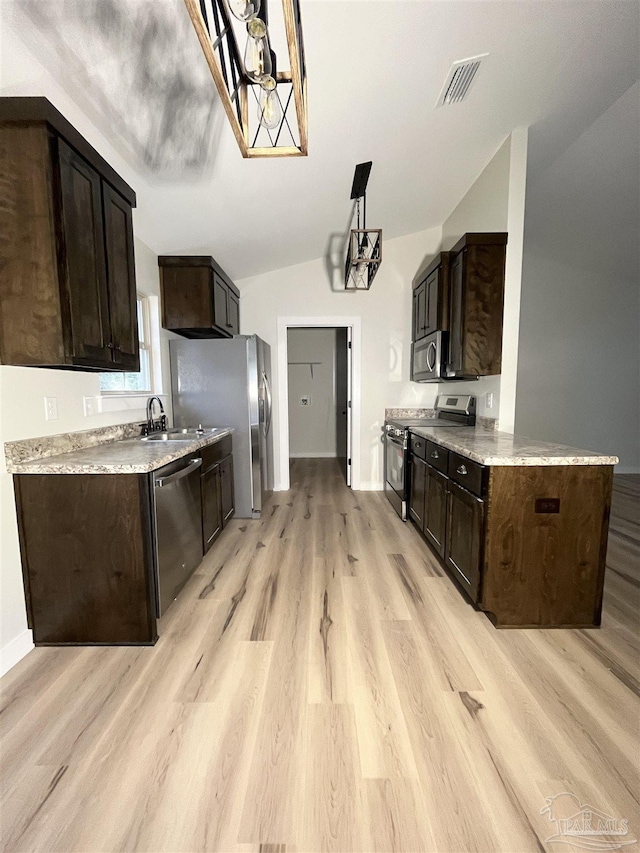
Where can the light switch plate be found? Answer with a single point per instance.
(51, 408)
(90, 408)
(489, 399)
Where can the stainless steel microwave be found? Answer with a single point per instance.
(428, 358)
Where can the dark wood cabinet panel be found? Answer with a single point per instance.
(465, 531)
(83, 270)
(67, 246)
(220, 312)
(87, 557)
(227, 499)
(211, 506)
(417, 490)
(430, 299)
(198, 299)
(233, 306)
(476, 296)
(546, 545)
(118, 230)
(419, 311)
(435, 509)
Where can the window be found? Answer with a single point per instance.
(134, 383)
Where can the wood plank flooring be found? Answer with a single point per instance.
(320, 685)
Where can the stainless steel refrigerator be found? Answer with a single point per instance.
(227, 383)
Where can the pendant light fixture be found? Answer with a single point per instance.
(269, 109)
(364, 250)
(257, 54)
(277, 127)
(244, 10)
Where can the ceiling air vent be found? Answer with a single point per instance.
(459, 80)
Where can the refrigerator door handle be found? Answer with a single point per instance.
(267, 389)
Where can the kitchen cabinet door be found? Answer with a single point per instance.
(419, 312)
(118, 229)
(233, 311)
(416, 494)
(226, 489)
(464, 537)
(435, 508)
(432, 302)
(211, 506)
(456, 317)
(220, 303)
(83, 269)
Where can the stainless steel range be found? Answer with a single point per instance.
(451, 411)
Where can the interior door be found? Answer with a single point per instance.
(342, 397)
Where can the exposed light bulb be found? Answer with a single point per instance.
(269, 110)
(244, 10)
(257, 55)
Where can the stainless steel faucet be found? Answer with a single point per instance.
(151, 425)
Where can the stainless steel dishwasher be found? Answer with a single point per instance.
(178, 526)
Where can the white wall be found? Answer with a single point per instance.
(578, 381)
(22, 392)
(312, 363)
(495, 202)
(305, 290)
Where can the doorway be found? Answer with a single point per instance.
(318, 382)
(319, 393)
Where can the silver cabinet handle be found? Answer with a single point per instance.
(435, 455)
(165, 481)
(461, 469)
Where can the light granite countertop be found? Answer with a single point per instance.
(129, 456)
(491, 447)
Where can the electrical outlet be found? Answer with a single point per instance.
(89, 404)
(51, 408)
(305, 401)
(489, 399)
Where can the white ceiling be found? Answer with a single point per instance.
(375, 70)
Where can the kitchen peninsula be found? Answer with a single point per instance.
(521, 525)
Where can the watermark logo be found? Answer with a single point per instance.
(584, 826)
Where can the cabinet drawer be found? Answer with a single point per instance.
(214, 453)
(469, 474)
(418, 446)
(437, 456)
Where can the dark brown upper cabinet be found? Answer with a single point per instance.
(67, 277)
(430, 298)
(199, 300)
(476, 297)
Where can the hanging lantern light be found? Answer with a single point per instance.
(364, 250)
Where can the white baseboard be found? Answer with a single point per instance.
(15, 650)
(626, 469)
(322, 455)
(370, 487)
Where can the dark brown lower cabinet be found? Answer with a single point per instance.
(435, 509)
(87, 544)
(526, 543)
(465, 529)
(87, 557)
(217, 494)
(416, 495)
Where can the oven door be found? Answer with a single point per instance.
(395, 470)
(427, 358)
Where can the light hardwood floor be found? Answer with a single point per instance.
(321, 685)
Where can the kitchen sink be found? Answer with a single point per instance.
(175, 434)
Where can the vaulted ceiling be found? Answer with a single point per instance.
(375, 70)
